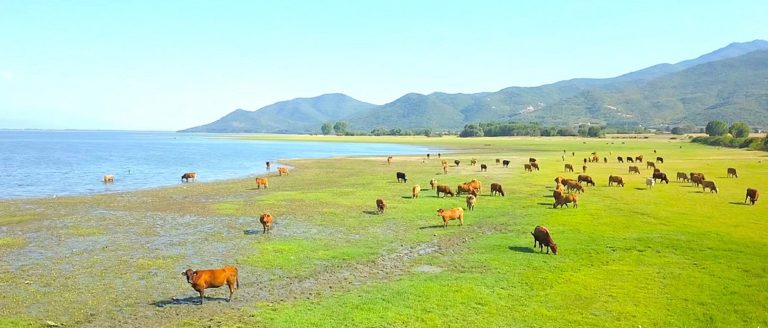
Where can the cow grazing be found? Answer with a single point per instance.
(266, 220)
(475, 184)
(660, 176)
(528, 167)
(708, 184)
(568, 168)
(380, 206)
(416, 191)
(630, 159)
(452, 214)
(541, 235)
(213, 278)
(188, 176)
(483, 168)
(620, 159)
(732, 172)
(471, 201)
(473, 162)
(282, 170)
(615, 179)
(496, 189)
(752, 195)
(446, 190)
(696, 178)
(650, 164)
(682, 176)
(650, 182)
(563, 199)
(660, 160)
(587, 179)
(639, 159)
(505, 163)
(656, 170)
(457, 162)
(109, 178)
(535, 165)
(262, 182)
(433, 183)
(401, 177)
(466, 188)
(573, 185)
(634, 169)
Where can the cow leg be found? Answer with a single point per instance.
(264, 226)
(231, 289)
(202, 297)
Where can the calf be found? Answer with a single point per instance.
(483, 168)
(708, 184)
(380, 206)
(262, 182)
(505, 163)
(282, 170)
(452, 214)
(188, 176)
(697, 178)
(401, 177)
(496, 189)
(732, 172)
(471, 200)
(541, 235)
(650, 182)
(415, 192)
(568, 168)
(634, 169)
(498, 161)
(584, 169)
(213, 278)
(266, 222)
(446, 190)
(639, 159)
(615, 179)
(587, 179)
(752, 195)
(660, 176)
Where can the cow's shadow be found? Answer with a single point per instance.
(192, 300)
(406, 197)
(641, 188)
(432, 226)
(252, 231)
(739, 203)
(521, 249)
(548, 204)
(256, 188)
(371, 212)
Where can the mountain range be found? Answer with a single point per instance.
(729, 84)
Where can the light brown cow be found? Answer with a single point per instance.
(109, 178)
(471, 201)
(380, 206)
(465, 188)
(634, 169)
(188, 176)
(473, 162)
(615, 179)
(282, 170)
(445, 190)
(452, 214)
(535, 165)
(262, 182)
(213, 278)
(433, 183)
(563, 199)
(573, 185)
(266, 220)
(389, 160)
(416, 191)
(476, 184)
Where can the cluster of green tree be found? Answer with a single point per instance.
(505, 129)
(338, 128)
(342, 128)
(735, 136)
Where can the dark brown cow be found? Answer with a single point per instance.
(401, 177)
(505, 163)
(452, 214)
(496, 188)
(531, 160)
(620, 159)
(188, 176)
(568, 168)
(483, 168)
(709, 184)
(660, 176)
(630, 159)
(682, 176)
(615, 179)
(650, 164)
(380, 206)
(498, 161)
(634, 169)
(584, 169)
(528, 167)
(541, 235)
(659, 160)
(752, 195)
(457, 162)
(587, 179)
(266, 220)
(696, 178)
(535, 165)
(573, 185)
(213, 278)
(732, 172)
(446, 190)
(639, 159)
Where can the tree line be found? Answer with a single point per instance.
(508, 129)
(735, 135)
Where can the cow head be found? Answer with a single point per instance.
(553, 247)
(190, 274)
(440, 211)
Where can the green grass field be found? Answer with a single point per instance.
(666, 257)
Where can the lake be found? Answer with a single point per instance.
(61, 163)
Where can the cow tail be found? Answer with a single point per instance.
(237, 282)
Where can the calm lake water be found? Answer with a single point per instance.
(58, 163)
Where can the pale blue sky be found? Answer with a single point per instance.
(168, 65)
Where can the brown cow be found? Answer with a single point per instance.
(496, 188)
(568, 168)
(563, 199)
(466, 188)
(682, 176)
(475, 184)
(660, 160)
(416, 190)
(528, 167)
(752, 195)
(584, 169)
(630, 159)
(573, 185)
(188, 176)
(389, 160)
(541, 235)
(531, 160)
(444, 162)
(262, 182)
(380, 206)
(639, 159)
(587, 179)
(708, 184)
(634, 169)
(109, 178)
(282, 170)
(452, 214)
(535, 165)
(471, 201)
(213, 278)
(615, 179)
(473, 162)
(650, 164)
(498, 161)
(457, 162)
(732, 172)
(433, 183)
(696, 178)
(446, 190)
(660, 176)
(266, 220)
(620, 159)
(445, 168)
(559, 187)
(483, 168)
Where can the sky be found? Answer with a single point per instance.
(170, 65)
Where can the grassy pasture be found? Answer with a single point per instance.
(669, 256)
